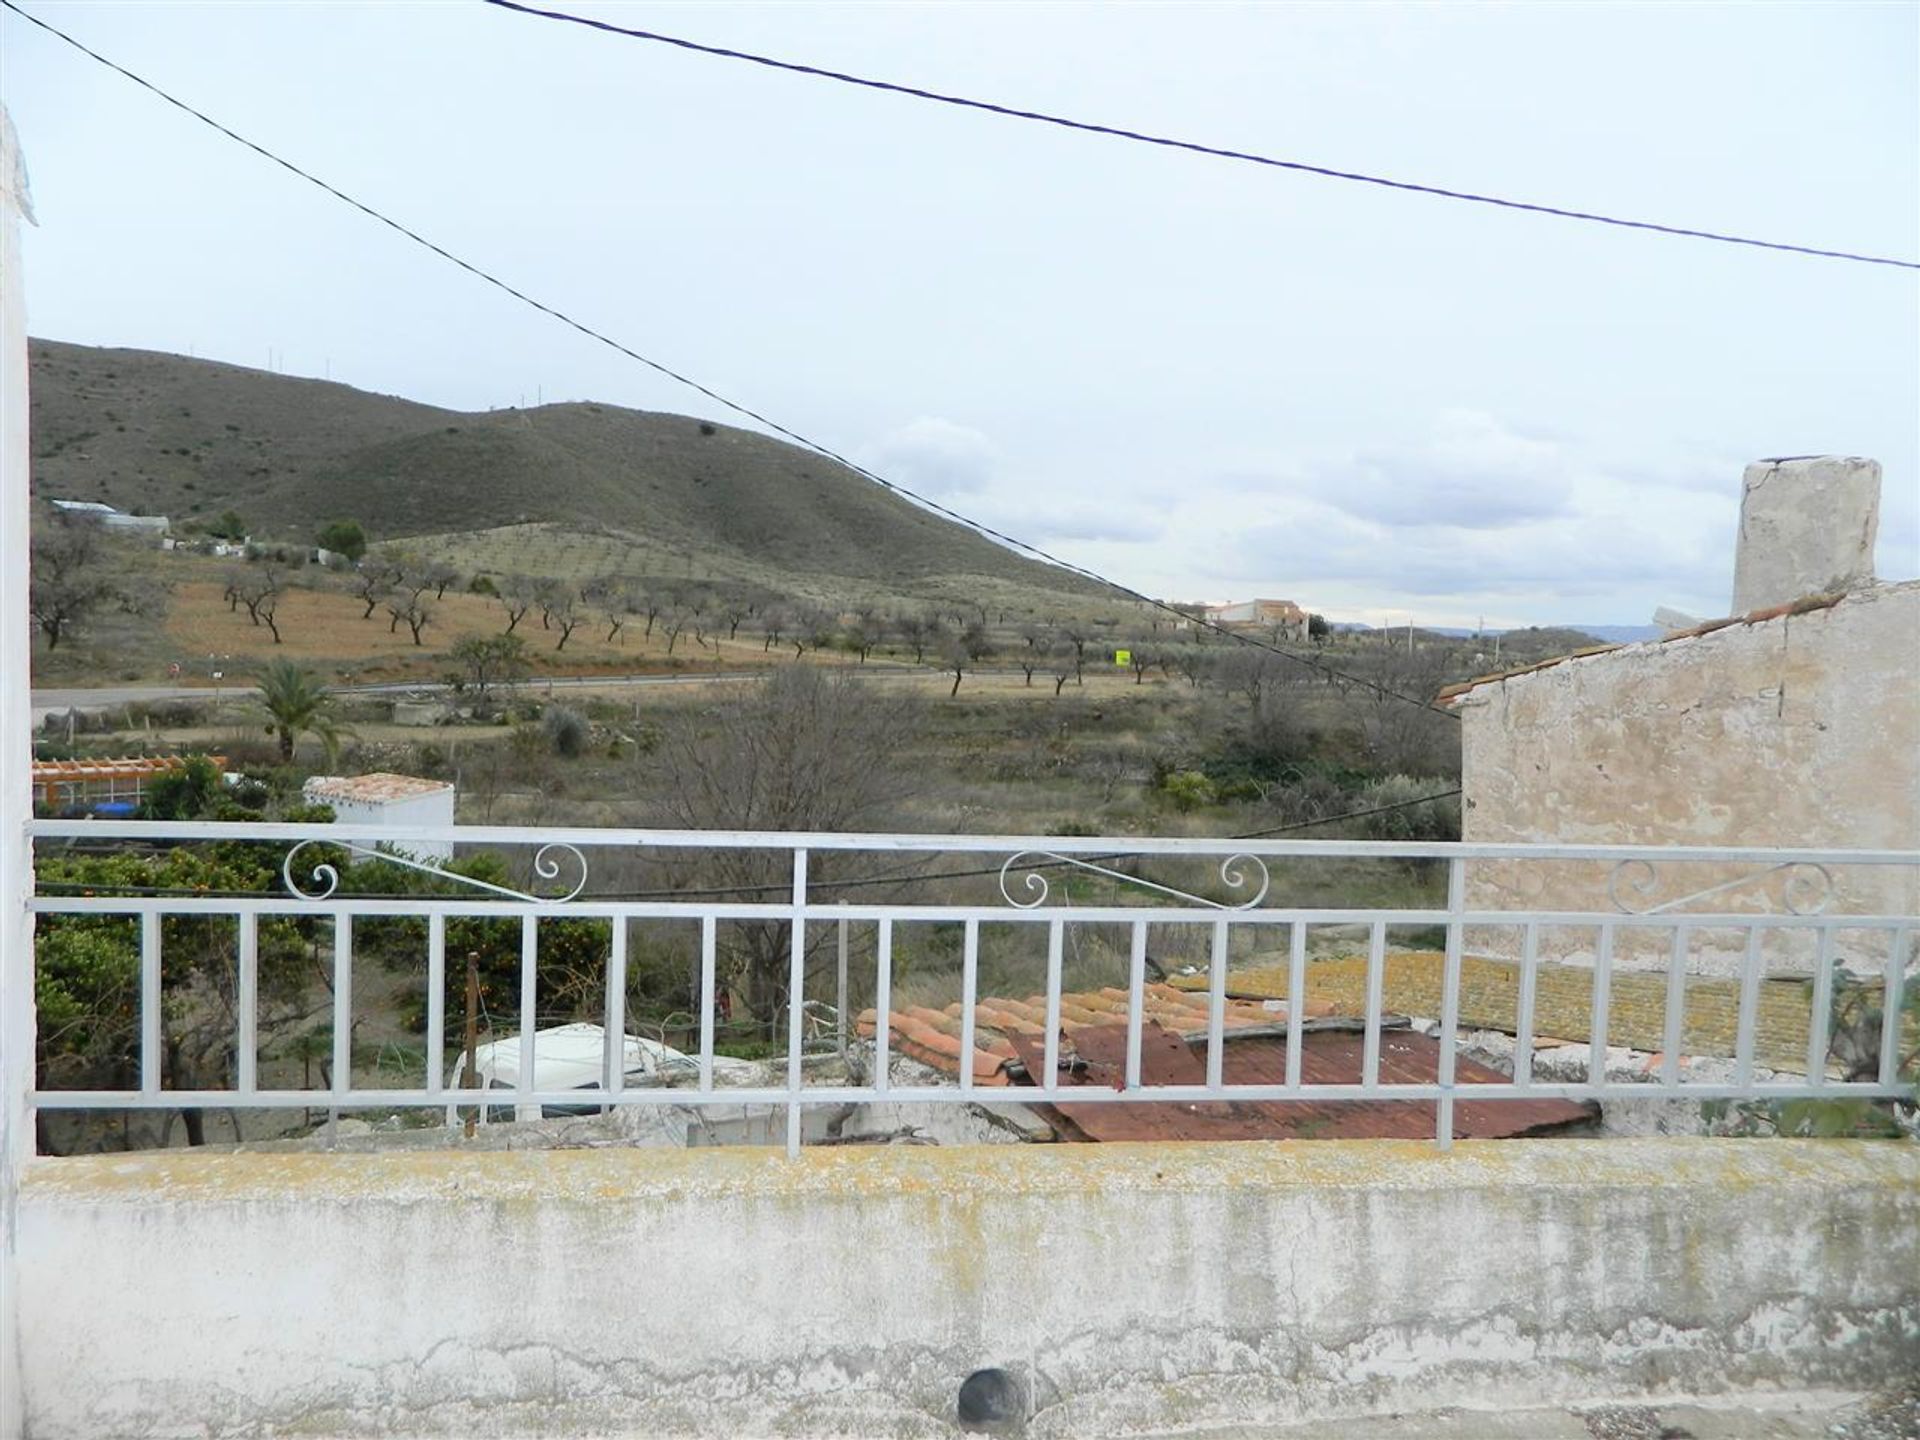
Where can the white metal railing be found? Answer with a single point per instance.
(1608, 893)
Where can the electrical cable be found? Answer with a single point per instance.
(1117, 132)
(978, 527)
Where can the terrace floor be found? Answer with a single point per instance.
(1563, 1001)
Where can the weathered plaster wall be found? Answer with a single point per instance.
(733, 1292)
(1800, 731)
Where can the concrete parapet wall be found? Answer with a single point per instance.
(736, 1292)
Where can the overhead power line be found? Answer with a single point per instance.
(1218, 152)
(978, 527)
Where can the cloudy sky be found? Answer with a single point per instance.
(1209, 379)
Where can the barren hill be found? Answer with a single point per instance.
(165, 434)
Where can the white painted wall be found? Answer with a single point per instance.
(16, 759)
(733, 1292)
(412, 812)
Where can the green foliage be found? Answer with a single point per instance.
(570, 981)
(343, 537)
(190, 792)
(566, 730)
(489, 660)
(1189, 790)
(87, 967)
(298, 704)
(229, 526)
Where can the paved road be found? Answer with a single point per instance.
(55, 702)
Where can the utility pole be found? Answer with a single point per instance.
(17, 1026)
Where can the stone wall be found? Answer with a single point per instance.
(1135, 1288)
(1801, 730)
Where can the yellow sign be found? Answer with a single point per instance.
(1123, 657)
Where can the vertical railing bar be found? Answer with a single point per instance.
(883, 1006)
(1217, 1008)
(969, 981)
(1450, 1000)
(437, 1006)
(1056, 929)
(613, 1077)
(149, 1003)
(1597, 1016)
(796, 996)
(1136, 1002)
(529, 1008)
(1376, 982)
(707, 999)
(1673, 1031)
(1890, 1011)
(246, 1062)
(342, 1007)
(1529, 989)
(1749, 1009)
(1296, 997)
(1820, 1018)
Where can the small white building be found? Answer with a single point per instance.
(151, 527)
(405, 802)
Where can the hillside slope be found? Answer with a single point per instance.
(190, 438)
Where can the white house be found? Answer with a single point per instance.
(401, 801)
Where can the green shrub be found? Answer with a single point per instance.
(566, 730)
(1189, 790)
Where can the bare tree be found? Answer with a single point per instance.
(561, 610)
(1063, 664)
(804, 749)
(516, 598)
(73, 575)
(610, 596)
(1079, 635)
(818, 627)
(960, 653)
(917, 630)
(733, 610)
(255, 587)
(371, 584)
(774, 620)
(868, 629)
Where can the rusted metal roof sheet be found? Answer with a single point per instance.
(933, 1036)
(1097, 1056)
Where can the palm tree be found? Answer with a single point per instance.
(299, 705)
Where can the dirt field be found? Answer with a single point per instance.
(324, 628)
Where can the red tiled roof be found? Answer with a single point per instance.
(373, 789)
(1804, 605)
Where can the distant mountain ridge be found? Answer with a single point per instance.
(165, 434)
(1610, 634)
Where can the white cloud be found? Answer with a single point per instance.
(939, 458)
(1471, 473)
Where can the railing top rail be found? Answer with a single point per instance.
(85, 829)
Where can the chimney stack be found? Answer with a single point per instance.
(1807, 526)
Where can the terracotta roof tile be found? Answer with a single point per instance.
(373, 788)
